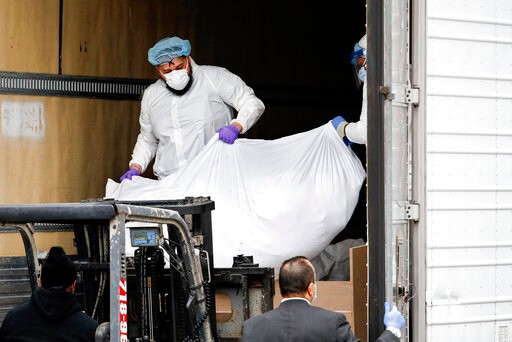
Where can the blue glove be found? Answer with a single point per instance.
(336, 122)
(129, 174)
(229, 134)
(393, 318)
(347, 142)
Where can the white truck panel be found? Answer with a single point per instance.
(469, 170)
(477, 332)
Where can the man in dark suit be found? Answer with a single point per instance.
(298, 321)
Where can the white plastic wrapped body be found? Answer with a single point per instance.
(274, 199)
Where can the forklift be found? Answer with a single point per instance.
(146, 270)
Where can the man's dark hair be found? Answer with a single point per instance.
(295, 275)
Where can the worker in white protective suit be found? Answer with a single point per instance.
(355, 132)
(186, 107)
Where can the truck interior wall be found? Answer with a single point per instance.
(63, 149)
(29, 41)
(12, 243)
(111, 38)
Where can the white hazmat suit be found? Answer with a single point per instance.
(175, 128)
(356, 131)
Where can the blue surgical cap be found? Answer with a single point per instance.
(168, 49)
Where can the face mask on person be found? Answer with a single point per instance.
(361, 74)
(178, 79)
(315, 293)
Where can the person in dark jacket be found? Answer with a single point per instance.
(296, 320)
(53, 313)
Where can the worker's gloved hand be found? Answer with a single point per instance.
(347, 142)
(393, 318)
(229, 134)
(338, 121)
(129, 174)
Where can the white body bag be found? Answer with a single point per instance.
(274, 199)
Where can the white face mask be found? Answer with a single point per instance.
(315, 293)
(178, 79)
(362, 74)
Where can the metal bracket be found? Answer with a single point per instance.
(412, 211)
(413, 96)
(386, 91)
(400, 93)
(403, 210)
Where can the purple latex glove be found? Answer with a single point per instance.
(229, 134)
(129, 174)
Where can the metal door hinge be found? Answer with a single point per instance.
(386, 91)
(413, 96)
(401, 93)
(403, 210)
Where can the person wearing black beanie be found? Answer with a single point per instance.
(58, 270)
(53, 313)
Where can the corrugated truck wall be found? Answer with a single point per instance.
(63, 148)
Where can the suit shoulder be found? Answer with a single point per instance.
(327, 313)
(261, 318)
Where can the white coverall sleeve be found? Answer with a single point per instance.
(146, 145)
(233, 90)
(356, 131)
